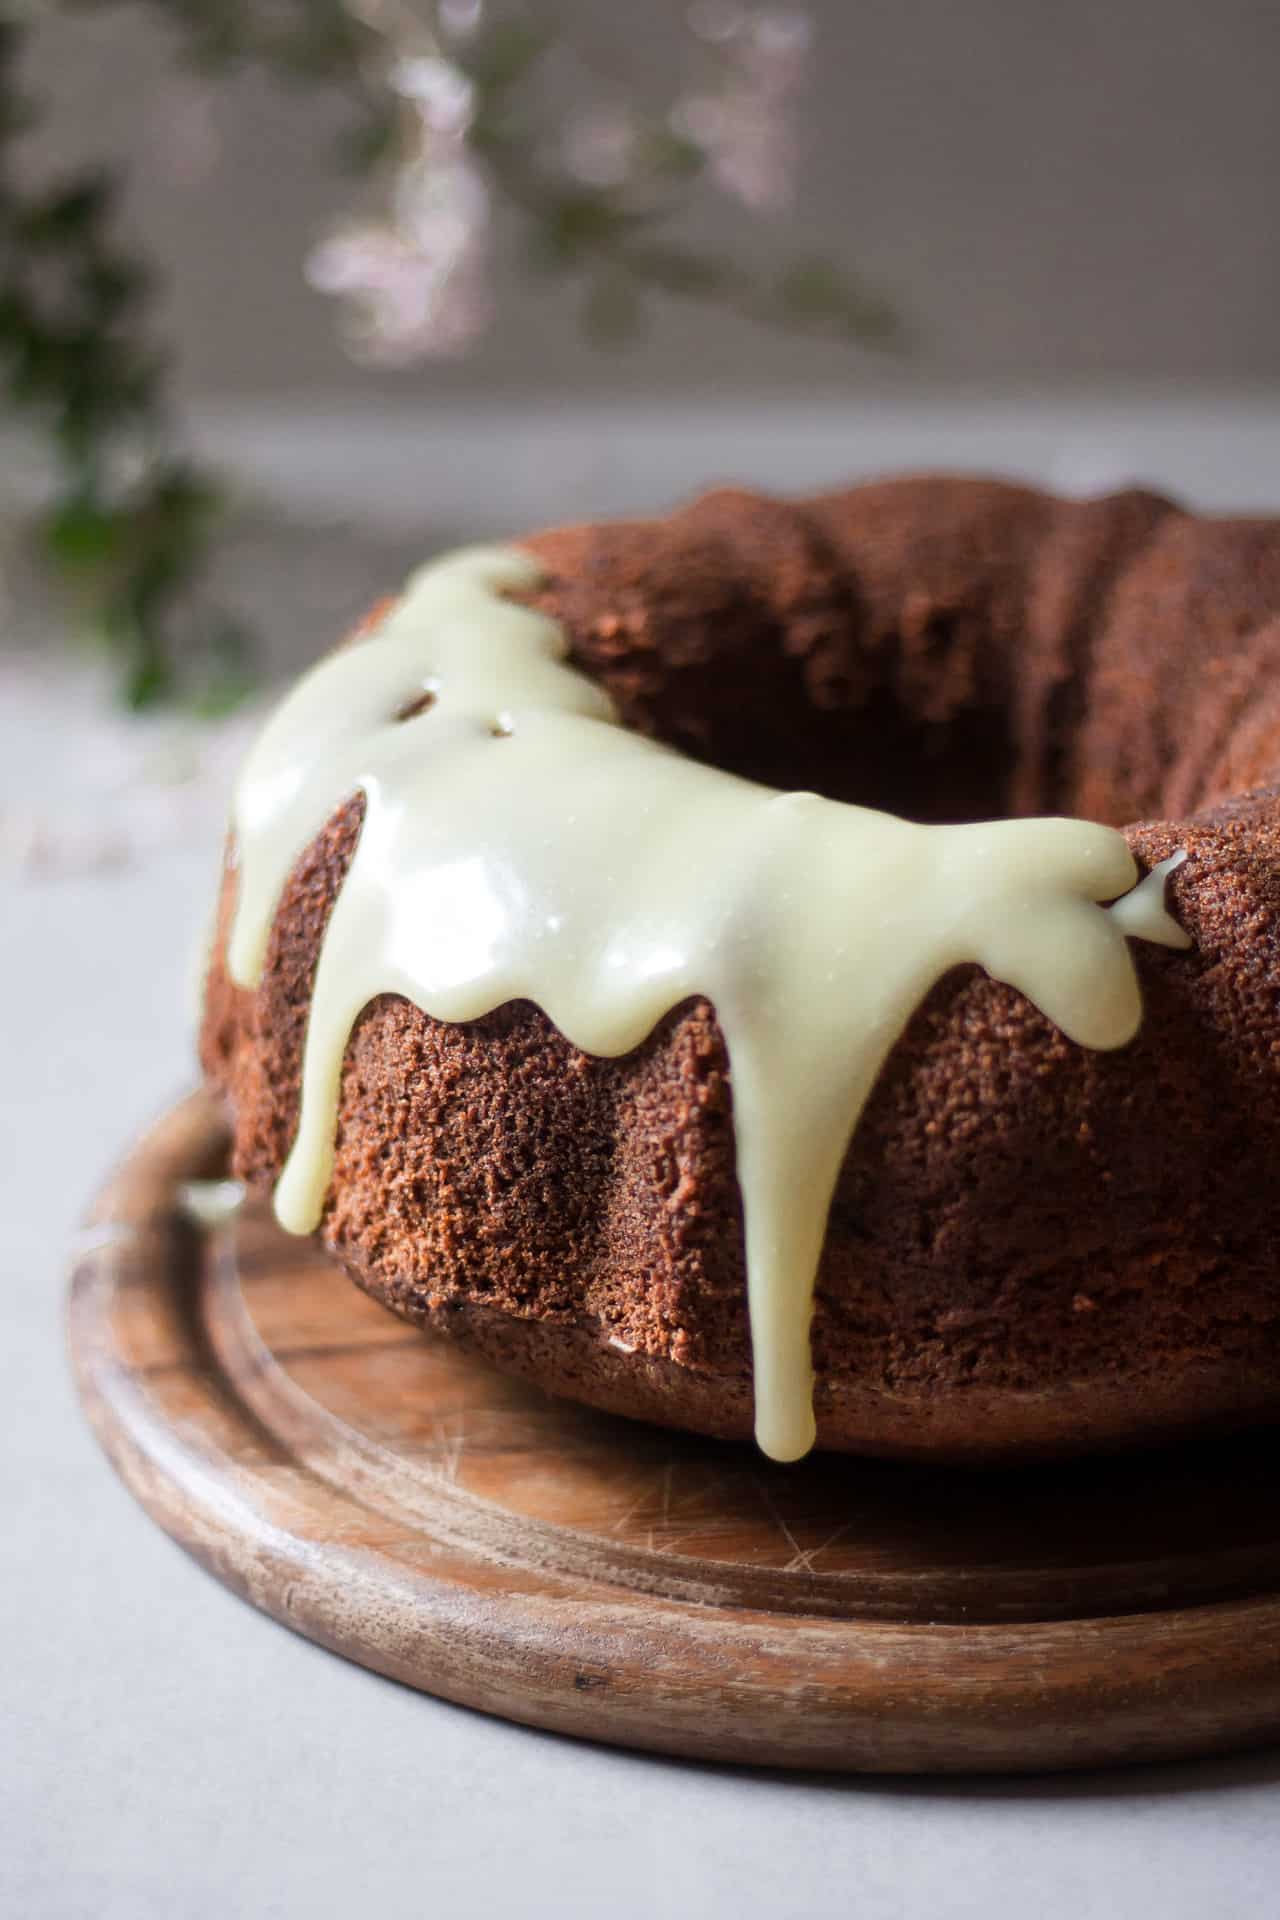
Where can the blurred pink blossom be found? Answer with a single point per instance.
(415, 293)
(442, 94)
(416, 281)
(747, 124)
(416, 278)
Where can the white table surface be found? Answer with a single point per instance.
(166, 1751)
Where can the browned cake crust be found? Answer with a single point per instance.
(1033, 1248)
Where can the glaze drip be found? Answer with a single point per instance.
(1142, 914)
(519, 843)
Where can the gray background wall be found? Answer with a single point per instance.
(1056, 192)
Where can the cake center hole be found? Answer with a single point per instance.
(880, 749)
(936, 723)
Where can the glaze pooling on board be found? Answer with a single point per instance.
(519, 844)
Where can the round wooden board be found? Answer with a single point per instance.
(415, 1511)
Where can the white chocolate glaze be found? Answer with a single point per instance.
(1142, 915)
(518, 843)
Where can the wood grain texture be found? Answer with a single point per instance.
(414, 1511)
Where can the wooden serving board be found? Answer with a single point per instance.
(414, 1511)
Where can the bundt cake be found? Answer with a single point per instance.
(666, 933)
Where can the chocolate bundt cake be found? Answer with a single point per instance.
(1006, 1152)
